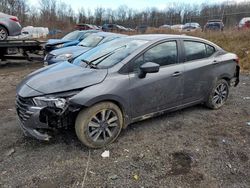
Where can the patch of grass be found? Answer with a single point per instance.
(237, 42)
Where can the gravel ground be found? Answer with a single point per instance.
(193, 147)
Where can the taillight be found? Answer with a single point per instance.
(15, 19)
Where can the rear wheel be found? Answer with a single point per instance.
(3, 33)
(218, 95)
(99, 125)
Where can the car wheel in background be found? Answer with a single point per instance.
(3, 33)
(99, 125)
(218, 95)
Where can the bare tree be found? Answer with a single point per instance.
(56, 14)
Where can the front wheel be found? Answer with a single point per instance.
(218, 95)
(3, 33)
(99, 125)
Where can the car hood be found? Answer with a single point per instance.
(59, 77)
(74, 50)
(52, 42)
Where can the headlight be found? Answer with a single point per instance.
(64, 56)
(59, 46)
(50, 102)
(60, 100)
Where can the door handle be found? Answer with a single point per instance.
(177, 73)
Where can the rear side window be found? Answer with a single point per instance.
(194, 50)
(210, 50)
(197, 50)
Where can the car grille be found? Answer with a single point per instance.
(22, 105)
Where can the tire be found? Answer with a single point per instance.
(99, 125)
(3, 33)
(218, 95)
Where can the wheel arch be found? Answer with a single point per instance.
(123, 106)
(2, 25)
(226, 77)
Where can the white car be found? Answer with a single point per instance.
(190, 27)
(177, 27)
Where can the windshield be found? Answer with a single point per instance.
(215, 24)
(91, 41)
(72, 36)
(110, 53)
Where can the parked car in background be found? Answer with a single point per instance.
(71, 52)
(82, 26)
(124, 81)
(130, 29)
(71, 39)
(9, 26)
(165, 26)
(177, 27)
(141, 28)
(122, 28)
(189, 27)
(244, 23)
(35, 32)
(109, 27)
(54, 31)
(214, 25)
(113, 27)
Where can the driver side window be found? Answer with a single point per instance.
(162, 54)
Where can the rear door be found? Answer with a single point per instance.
(198, 65)
(157, 91)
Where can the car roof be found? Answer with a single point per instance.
(152, 37)
(4, 15)
(215, 20)
(106, 34)
(158, 37)
(245, 18)
(191, 23)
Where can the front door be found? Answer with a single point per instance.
(157, 91)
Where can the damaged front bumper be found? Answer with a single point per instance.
(29, 119)
(38, 122)
(34, 133)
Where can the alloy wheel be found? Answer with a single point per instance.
(220, 94)
(103, 125)
(3, 34)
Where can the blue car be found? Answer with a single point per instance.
(86, 44)
(71, 39)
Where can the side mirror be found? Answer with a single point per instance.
(148, 67)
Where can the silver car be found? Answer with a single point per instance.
(9, 26)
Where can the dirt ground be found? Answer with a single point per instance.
(194, 147)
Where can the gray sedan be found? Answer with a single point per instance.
(124, 81)
(9, 26)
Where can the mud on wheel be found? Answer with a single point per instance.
(99, 125)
